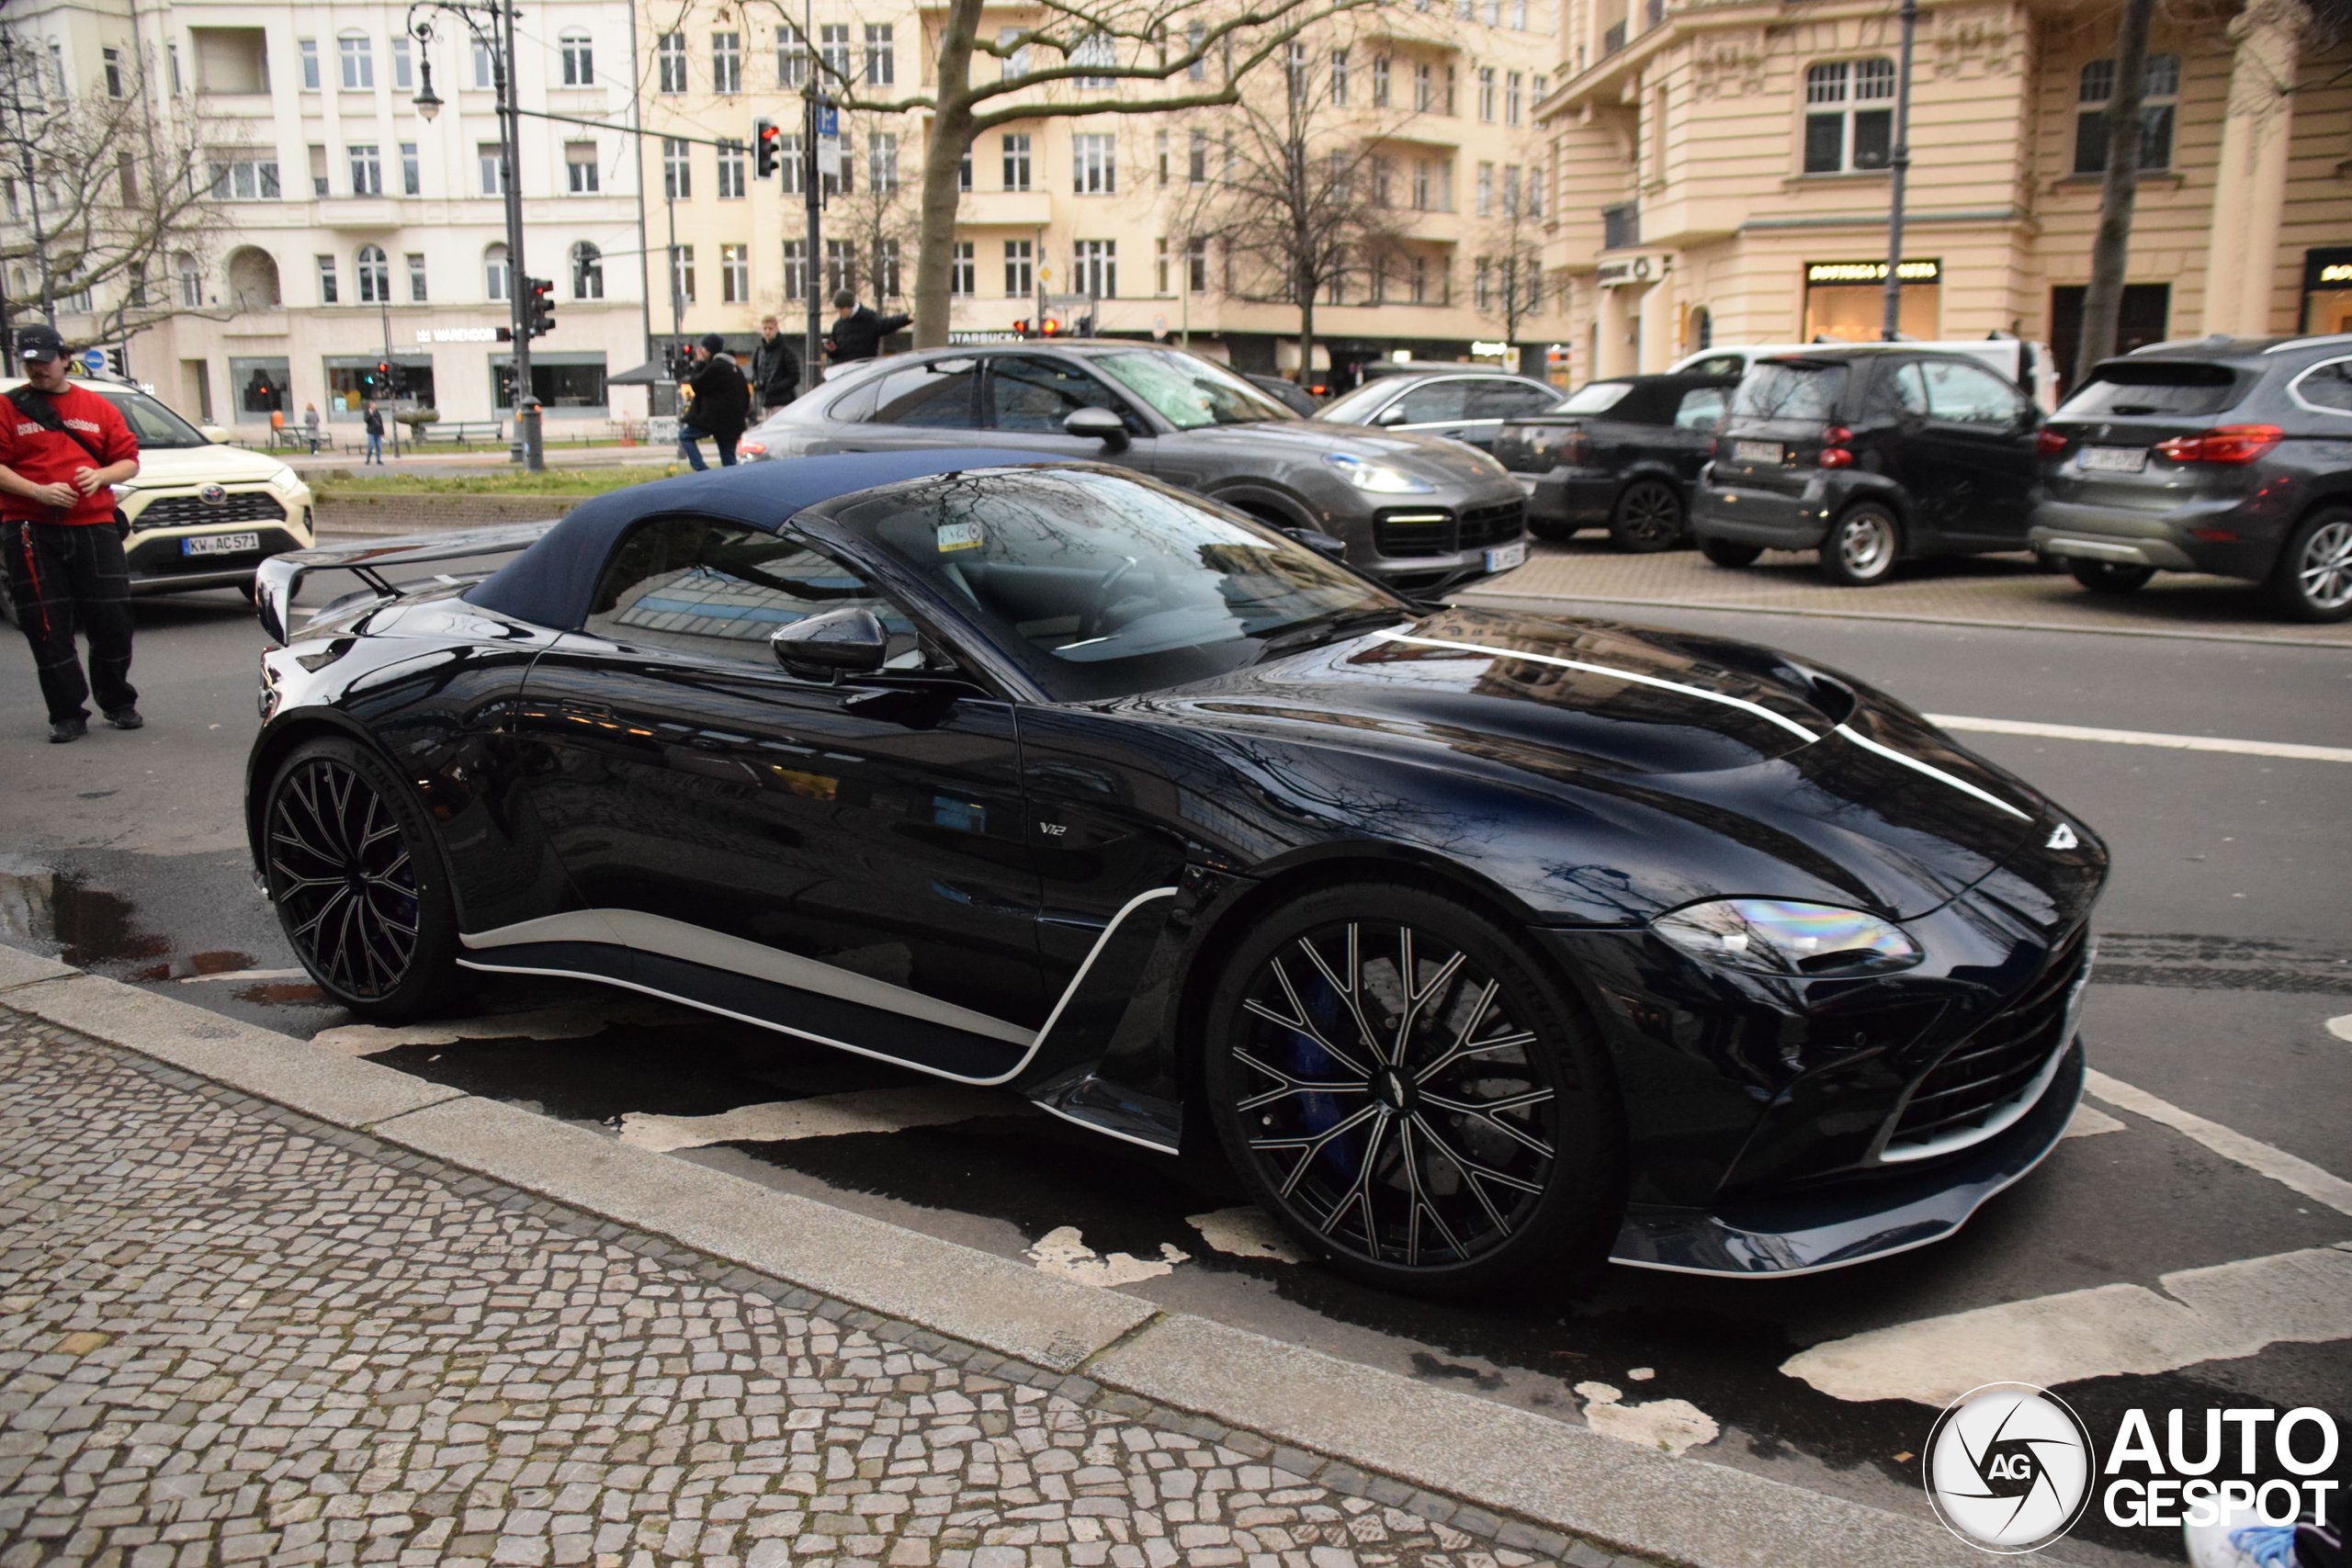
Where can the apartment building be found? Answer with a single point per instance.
(1721, 173)
(352, 232)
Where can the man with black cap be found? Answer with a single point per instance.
(61, 448)
(857, 331)
(721, 406)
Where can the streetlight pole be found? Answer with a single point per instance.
(812, 199)
(1899, 160)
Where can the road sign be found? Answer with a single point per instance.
(1160, 326)
(94, 360)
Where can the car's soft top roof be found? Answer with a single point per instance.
(550, 585)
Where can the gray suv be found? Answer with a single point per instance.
(1416, 511)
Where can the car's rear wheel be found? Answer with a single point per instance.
(1648, 517)
(1407, 1088)
(2312, 579)
(1862, 547)
(351, 864)
(2110, 575)
(1730, 552)
(1545, 528)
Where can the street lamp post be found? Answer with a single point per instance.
(491, 24)
(1890, 321)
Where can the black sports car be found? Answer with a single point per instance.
(1483, 944)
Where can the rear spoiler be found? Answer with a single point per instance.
(280, 577)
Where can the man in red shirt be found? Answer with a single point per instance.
(60, 447)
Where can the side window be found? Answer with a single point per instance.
(717, 590)
(1903, 392)
(2327, 387)
(1721, 365)
(937, 395)
(1967, 394)
(1508, 399)
(1036, 394)
(1434, 402)
(1702, 410)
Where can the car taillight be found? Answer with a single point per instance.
(2223, 444)
(2049, 444)
(751, 449)
(1834, 451)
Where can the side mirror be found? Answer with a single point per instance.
(847, 641)
(214, 434)
(1328, 546)
(1393, 414)
(1098, 425)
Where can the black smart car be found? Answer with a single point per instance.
(2230, 455)
(1869, 454)
(1622, 453)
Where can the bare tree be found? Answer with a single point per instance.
(113, 197)
(876, 214)
(1508, 275)
(2118, 187)
(1187, 59)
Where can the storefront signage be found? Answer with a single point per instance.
(2327, 268)
(456, 335)
(1489, 350)
(1872, 271)
(1631, 271)
(969, 337)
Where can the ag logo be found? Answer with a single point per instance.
(2008, 1468)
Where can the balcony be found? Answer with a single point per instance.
(1621, 227)
(1004, 209)
(359, 212)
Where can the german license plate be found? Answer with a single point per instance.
(1765, 452)
(220, 544)
(2115, 459)
(1502, 557)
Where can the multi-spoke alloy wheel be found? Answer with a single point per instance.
(1398, 1088)
(1648, 517)
(2314, 578)
(350, 873)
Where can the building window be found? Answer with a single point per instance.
(375, 276)
(492, 160)
(963, 271)
(1380, 81)
(1424, 89)
(1196, 159)
(416, 291)
(734, 274)
(1420, 187)
(1514, 97)
(172, 57)
(795, 269)
(112, 59)
(1160, 157)
(882, 162)
(791, 165)
(1486, 92)
(191, 279)
(1196, 267)
(846, 181)
(1482, 284)
(587, 271)
(1196, 38)
(485, 69)
(1449, 89)
(726, 63)
(670, 62)
(367, 169)
(495, 276)
(964, 170)
(580, 169)
(682, 274)
(1848, 116)
(841, 265)
(412, 170)
(358, 64)
(730, 171)
(885, 270)
(236, 176)
(1098, 268)
(579, 60)
(881, 56)
(791, 60)
(832, 49)
(677, 173)
(318, 169)
(1095, 51)
(1294, 71)
(328, 294)
(1094, 163)
(1383, 191)
(1016, 59)
(1486, 188)
(1016, 160)
(1160, 264)
(1338, 78)
(1019, 268)
(308, 49)
(1518, 15)
(2097, 86)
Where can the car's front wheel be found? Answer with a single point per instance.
(1863, 546)
(1407, 1088)
(1648, 517)
(1730, 552)
(2110, 575)
(351, 866)
(2312, 580)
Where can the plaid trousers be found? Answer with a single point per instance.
(61, 574)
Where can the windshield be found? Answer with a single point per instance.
(1345, 410)
(1596, 397)
(2127, 390)
(1103, 585)
(154, 425)
(1775, 390)
(1187, 391)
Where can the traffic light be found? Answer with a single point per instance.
(1021, 327)
(767, 148)
(383, 374)
(1051, 327)
(541, 295)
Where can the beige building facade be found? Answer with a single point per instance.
(1722, 173)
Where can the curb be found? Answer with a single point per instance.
(1511, 1463)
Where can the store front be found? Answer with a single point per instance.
(2327, 290)
(1844, 302)
(403, 381)
(567, 385)
(260, 387)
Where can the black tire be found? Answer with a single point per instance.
(1647, 517)
(1547, 528)
(2312, 578)
(358, 880)
(1863, 546)
(251, 589)
(1730, 552)
(2110, 575)
(1513, 1174)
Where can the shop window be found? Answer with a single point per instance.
(2327, 290)
(2096, 86)
(573, 384)
(1846, 301)
(1848, 116)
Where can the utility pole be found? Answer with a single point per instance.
(812, 357)
(1890, 321)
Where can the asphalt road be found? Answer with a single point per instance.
(2225, 951)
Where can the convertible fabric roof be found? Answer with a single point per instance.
(550, 583)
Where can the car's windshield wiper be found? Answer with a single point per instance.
(1329, 626)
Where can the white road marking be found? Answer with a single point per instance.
(1247, 1231)
(2089, 1121)
(547, 1023)
(819, 1116)
(247, 974)
(2341, 1027)
(1640, 1374)
(2289, 1171)
(2145, 737)
(2195, 1315)
(1063, 1252)
(1672, 1425)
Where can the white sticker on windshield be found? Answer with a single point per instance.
(959, 536)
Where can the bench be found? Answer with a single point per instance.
(456, 431)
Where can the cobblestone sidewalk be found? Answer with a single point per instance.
(228, 1335)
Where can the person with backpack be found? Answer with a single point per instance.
(722, 405)
(61, 448)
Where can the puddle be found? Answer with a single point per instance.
(84, 926)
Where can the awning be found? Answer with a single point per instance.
(645, 375)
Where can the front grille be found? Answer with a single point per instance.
(1484, 525)
(1434, 533)
(190, 512)
(1987, 1072)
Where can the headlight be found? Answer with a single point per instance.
(1775, 936)
(1378, 478)
(122, 492)
(284, 478)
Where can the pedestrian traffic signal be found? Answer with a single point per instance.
(767, 148)
(540, 295)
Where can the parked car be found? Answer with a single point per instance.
(203, 513)
(1483, 944)
(2233, 457)
(1288, 393)
(1411, 510)
(2028, 364)
(1620, 453)
(1869, 454)
(1459, 404)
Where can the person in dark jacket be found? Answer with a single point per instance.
(857, 331)
(721, 407)
(775, 369)
(373, 421)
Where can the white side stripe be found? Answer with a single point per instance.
(2145, 737)
(2292, 1171)
(1891, 755)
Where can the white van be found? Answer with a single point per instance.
(2027, 364)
